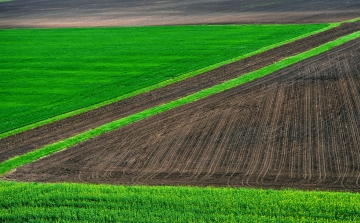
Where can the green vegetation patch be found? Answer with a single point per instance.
(63, 202)
(49, 72)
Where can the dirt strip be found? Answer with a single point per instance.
(298, 127)
(59, 130)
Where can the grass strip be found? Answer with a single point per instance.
(153, 86)
(352, 20)
(47, 150)
(65, 202)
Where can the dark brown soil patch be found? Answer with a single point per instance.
(298, 127)
(41, 136)
(80, 13)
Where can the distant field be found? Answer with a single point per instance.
(91, 13)
(48, 72)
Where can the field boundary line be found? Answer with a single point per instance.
(29, 157)
(166, 82)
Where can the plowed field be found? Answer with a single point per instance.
(298, 127)
(80, 13)
(41, 136)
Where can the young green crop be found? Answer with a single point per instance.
(49, 72)
(64, 202)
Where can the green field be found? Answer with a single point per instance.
(49, 72)
(34, 202)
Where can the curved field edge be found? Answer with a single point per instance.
(37, 202)
(55, 147)
(160, 84)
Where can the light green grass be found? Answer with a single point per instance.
(64, 202)
(36, 154)
(352, 20)
(50, 74)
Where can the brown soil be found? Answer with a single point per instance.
(298, 127)
(41, 136)
(80, 13)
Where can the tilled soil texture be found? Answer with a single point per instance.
(41, 136)
(80, 13)
(298, 127)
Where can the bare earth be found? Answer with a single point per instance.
(298, 127)
(80, 13)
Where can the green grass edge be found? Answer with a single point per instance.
(17, 161)
(352, 20)
(161, 84)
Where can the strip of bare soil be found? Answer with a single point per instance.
(298, 127)
(36, 138)
(80, 13)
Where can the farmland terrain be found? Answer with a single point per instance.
(80, 13)
(297, 127)
(38, 137)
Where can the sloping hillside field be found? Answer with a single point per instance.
(59, 130)
(294, 128)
